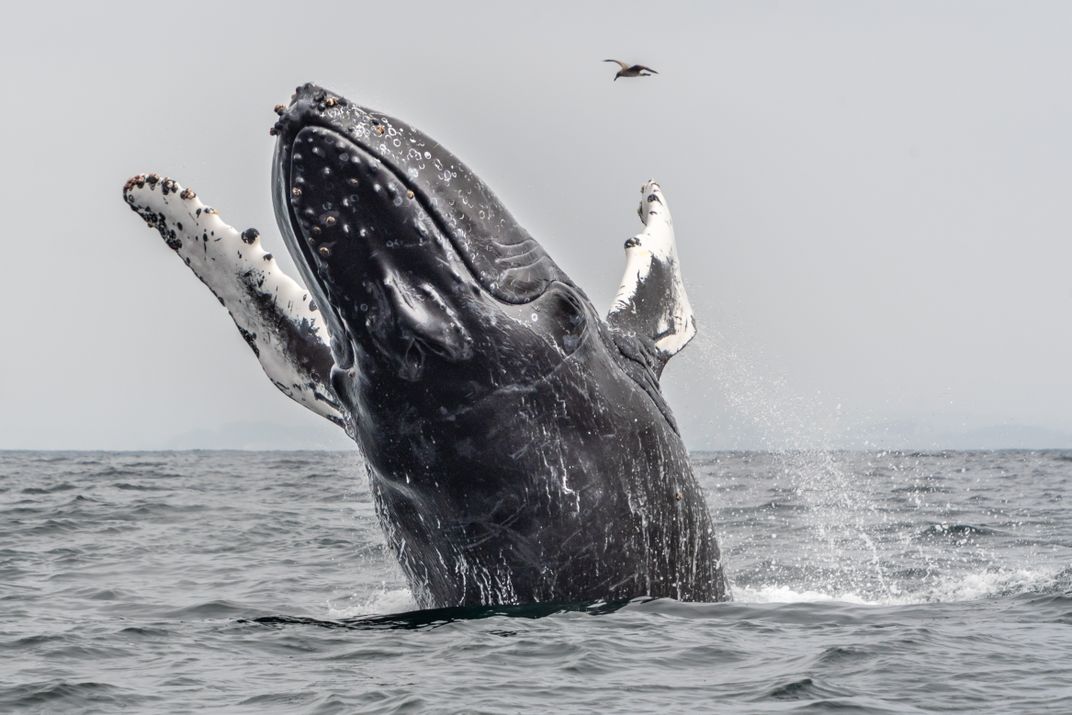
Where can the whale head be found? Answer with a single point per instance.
(416, 265)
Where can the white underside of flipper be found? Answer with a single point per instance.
(274, 314)
(651, 300)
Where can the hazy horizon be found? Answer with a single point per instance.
(870, 202)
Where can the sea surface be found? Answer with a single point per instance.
(258, 582)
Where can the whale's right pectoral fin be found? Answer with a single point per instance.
(651, 303)
(272, 311)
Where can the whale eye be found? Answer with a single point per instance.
(563, 315)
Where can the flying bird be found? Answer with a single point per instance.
(632, 70)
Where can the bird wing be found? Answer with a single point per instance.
(620, 63)
(644, 69)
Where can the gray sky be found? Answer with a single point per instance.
(871, 201)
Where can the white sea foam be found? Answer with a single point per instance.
(974, 586)
(381, 602)
(787, 594)
(954, 588)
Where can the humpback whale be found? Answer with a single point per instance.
(518, 447)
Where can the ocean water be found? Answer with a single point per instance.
(258, 582)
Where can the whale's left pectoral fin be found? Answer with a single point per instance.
(274, 314)
(651, 303)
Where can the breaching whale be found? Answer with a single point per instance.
(517, 443)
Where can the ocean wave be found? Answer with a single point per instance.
(952, 588)
(66, 694)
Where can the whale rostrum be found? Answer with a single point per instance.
(517, 443)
